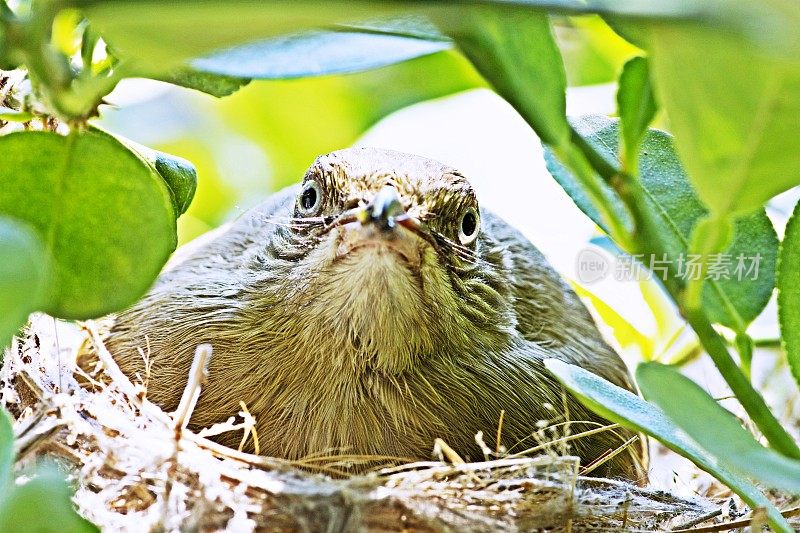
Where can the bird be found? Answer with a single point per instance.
(369, 311)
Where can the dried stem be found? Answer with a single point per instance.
(197, 376)
(727, 526)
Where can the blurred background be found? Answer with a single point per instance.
(263, 137)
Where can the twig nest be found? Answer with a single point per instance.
(138, 468)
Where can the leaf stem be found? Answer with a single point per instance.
(744, 345)
(750, 399)
(630, 192)
(767, 342)
(71, 97)
(646, 236)
(709, 236)
(576, 161)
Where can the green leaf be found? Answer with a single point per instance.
(13, 115)
(733, 111)
(628, 29)
(515, 51)
(9, 56)
(637, 107)
(180, 176)
(593, 53)
(344, 49)
(165, 34)
(730, 302)
(406, 25)
(6, 451)
(789, 293)
(105, 217)
(218, 85)
(42, 505)
(24, 276)
(623, 407)
(316, 53)
(714, 428)
(168, 33)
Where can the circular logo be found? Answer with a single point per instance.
(591, 266)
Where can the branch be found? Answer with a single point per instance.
(647, 238)
(577, 162)
(751, 400)
(191, 393)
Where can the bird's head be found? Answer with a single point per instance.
(392, 253)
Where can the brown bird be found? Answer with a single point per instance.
(369, 311)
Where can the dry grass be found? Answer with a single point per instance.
(138, 468)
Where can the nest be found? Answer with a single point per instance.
(138, 468)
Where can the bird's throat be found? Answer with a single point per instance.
(373, 301)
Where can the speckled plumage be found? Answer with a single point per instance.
(337, 342)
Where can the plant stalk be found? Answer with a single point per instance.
(646, 237)
(751, 400)
(577, 162)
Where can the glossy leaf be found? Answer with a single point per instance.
(178, 174)
(103, 215)
(733, 110)
(678, 210)
(714, 428)
(515, 51)
(623, 407)
(180, 29)
(316, 53)
(167, 34)
(789, 293)
(407, 25)
(43, 504)
(24, 276)
(636, 105)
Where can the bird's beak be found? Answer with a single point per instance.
(384, 211)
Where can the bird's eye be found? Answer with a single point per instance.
(470, 223)
(310, 199)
